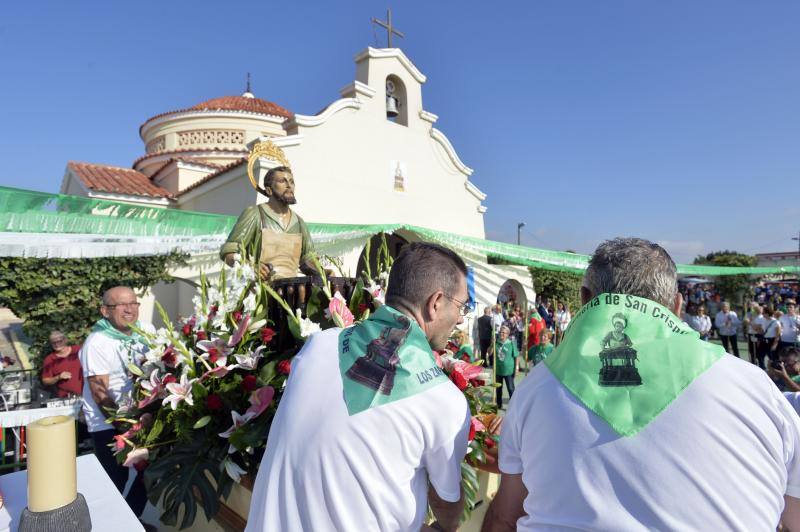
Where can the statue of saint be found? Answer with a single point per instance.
(275, 233)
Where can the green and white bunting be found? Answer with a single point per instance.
(627, 358)
(38, 224)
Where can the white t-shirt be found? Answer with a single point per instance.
(771, 327)
(325, 470)
(563, 318)
(719, 457)
(101, 355)
(789, 325)
(758, 320)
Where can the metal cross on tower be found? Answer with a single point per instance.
(388, 26)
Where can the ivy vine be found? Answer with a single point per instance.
(65, 294)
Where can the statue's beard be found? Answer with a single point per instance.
(287, 198)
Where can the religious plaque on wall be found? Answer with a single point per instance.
(398, 174)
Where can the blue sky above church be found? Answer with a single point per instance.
(586, 120)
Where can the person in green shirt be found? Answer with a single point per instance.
(271, 231)
(506, 363)
(544, 348)
(465, 351)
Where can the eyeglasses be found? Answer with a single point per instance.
(463, 306)
(135, 304)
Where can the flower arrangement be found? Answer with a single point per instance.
(206, 391)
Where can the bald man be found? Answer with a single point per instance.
(104, 358)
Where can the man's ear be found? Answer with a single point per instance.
(677, 304)
(433, 305)
(586, 295)
(104, 311)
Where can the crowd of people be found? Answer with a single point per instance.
(769, 325)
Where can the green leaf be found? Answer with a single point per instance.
(136, 370)
(155, 432)
(174, 477)
(202, 422)
(268, 372)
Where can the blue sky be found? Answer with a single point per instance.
(674, 121)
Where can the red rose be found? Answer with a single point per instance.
(284, 367)
(168, 379)
(488, 442)
(266, 335)
(471, 432)
(187, 330)
(237, 316)
(214, 402)
(362, 308)
(213, 354)
(201, 335)
(249, 383)
(459, 380)
(214, 309)
(477, 383)
(169, 358)
(141, 465)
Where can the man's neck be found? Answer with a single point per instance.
(126, 331)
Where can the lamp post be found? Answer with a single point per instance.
(798, 255)
(520, 225)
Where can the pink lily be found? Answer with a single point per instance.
(339, 311)
(475, 426)
(216, 351)
(218, 372)
(260, 399)
(238, 421)
(248, 361)
(180, 391)
(154, 386)
(237, 336)
(137, 455)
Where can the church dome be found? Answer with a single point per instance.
(247, 102)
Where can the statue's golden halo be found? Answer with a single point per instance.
(268, 150)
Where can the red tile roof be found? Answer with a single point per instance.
(231, 103)
(104, 178)
(209, 177)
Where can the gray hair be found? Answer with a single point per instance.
(633, 266)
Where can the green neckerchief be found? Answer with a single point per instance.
(384, 359)
(536, 316)
(627, 358)
(104, 326)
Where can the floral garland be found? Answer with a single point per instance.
(205, 393)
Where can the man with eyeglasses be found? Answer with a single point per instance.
(105, 357)
(370, 431)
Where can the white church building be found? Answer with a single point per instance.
(373, 156)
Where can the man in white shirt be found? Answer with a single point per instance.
(497, 319)
(654, 443)
(105, 356)
(790, 323)
(727, 323)
(369, 430)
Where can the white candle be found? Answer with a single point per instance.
(52, 481)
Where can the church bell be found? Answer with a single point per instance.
(391, 106)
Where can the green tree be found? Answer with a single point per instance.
(66, 294)
(731, 287)
(561, 286)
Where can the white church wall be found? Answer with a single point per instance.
(228, 194)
